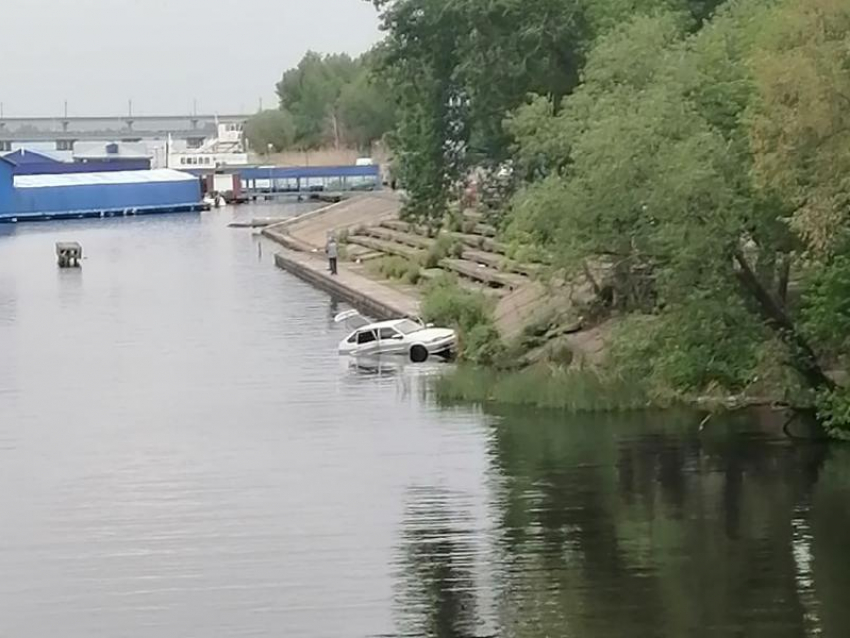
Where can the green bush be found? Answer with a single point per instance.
(446, 304)
(454, 221)
(482, 345)
(457, 250)
(439, 250)
(397, 268)
(692, 348)
(834, 412)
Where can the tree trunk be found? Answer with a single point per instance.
(336, 130)
(803, 357)
(784, 277)
(597, 289)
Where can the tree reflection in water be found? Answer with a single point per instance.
(639, 525)
(636, 525)
(438, 595)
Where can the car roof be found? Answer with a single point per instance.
(384, 324)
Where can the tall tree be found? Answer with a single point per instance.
(365, 109)
(461, 66)
(419, 59)
(657, 188)
(311, 91)
(801, 145)
(272, 129)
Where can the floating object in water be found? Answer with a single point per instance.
(69, 254)
(257, 222)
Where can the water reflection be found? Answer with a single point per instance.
(438, 596)
(204, 463)
(622, 524)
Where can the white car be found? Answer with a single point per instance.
(397, 337)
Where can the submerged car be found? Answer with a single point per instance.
(404, 337)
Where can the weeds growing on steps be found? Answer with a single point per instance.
(397, 268)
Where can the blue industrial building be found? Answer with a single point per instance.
(37, 197)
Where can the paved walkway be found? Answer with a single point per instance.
(303, 240)
(311, 229)
(367, 295)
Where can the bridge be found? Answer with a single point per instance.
(65, 130)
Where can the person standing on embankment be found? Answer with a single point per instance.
(333, 254)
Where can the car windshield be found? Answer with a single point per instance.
(407, 327)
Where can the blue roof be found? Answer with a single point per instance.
(23, 157)
(56, 168)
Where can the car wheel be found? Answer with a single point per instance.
(419, 354)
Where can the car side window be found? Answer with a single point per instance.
(353, 338)
(366, 337)
(389, 333)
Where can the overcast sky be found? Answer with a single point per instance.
(163, 54)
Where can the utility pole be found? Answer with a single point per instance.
(130, 108)
(66, 109)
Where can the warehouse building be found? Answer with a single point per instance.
(26, 197)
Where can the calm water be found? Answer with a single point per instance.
(183, 454)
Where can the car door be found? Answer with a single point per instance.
(367, 342)
(392, 341)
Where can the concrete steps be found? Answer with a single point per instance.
(433, 274)
(478, 242)
(407, 239)
(489, 259)
(473, 270)
(489, 276)
(361, 254)
(387, 247)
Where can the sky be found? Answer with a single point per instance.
(165, 54)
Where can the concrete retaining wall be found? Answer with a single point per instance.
(365, 303)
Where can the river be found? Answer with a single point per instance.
(182, 453)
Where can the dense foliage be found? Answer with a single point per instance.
(707, 170)
(698, 152)
(458, 67)
(326, 101)
(271, 130)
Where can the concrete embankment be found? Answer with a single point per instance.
(302, 254)
(368, 296)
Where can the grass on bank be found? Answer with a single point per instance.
(543, 386)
